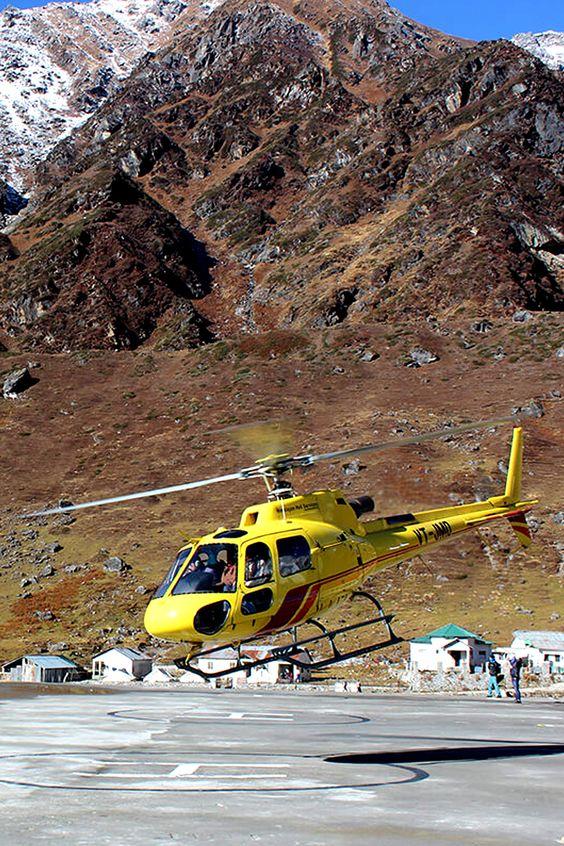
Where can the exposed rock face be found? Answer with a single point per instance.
(341, 164)
(107, 278)
(60, 61)
(546, 46)
(11, 202)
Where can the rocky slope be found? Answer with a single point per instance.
(339, 162)
(546, 46)
(321, 210)
(60, 61)
(98, 423)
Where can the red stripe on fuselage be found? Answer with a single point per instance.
(291, 613)
(302, 612)
(290, 606)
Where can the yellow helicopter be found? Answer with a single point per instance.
(293, 557)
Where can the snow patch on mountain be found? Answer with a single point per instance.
(546, 46)
(59, 62)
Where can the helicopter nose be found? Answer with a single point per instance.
(165, 620)
(178, 619)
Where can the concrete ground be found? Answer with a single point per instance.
(196, 766)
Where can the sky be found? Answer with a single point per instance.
(479, 19)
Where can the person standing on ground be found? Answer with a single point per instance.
(493, 685)
(515, 665)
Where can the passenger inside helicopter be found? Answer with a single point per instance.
(211, 569)
(258, 564)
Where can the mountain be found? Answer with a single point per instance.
(60, 61)
(328, 162)
(546, 46)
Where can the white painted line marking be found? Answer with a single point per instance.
(239, 715)
(189, 769)
(133, 763)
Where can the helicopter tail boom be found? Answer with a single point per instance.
(404, 536)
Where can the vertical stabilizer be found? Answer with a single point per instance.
(518, 523)
(513, 483)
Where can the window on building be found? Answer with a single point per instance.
(258, 564)
(294, 555)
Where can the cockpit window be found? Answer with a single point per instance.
(211, 569)
(173, 572)
(258, 564)
(294, 555)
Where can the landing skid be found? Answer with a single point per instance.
(291, 652)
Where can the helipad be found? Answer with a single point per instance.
(156, 767)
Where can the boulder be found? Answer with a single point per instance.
(482, 326)
(419, 357)
(17, 382)
(73, 568)
(45, 616)
(532, 409)
(353, 467)
(368, 355)
(115, 564)
(522, 316)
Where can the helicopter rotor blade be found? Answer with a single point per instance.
(415, 439)
(139, 495)
(275, 466)
(262, 437)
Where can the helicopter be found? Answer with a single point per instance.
(295, 556)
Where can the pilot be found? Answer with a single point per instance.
(197, 563)
(229, 578)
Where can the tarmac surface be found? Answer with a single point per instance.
(183, 766)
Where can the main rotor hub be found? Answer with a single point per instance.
(281, 489)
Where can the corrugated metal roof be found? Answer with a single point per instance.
(51, 662)
(541, 640)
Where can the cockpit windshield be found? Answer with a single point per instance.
(211, 569)
(173, 572)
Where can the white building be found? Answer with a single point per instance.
(449, 648)
(542, 650)
(274, 672)
(121, 662)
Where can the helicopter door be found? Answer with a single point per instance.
(258, 579)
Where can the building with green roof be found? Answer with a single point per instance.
(449, 647)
